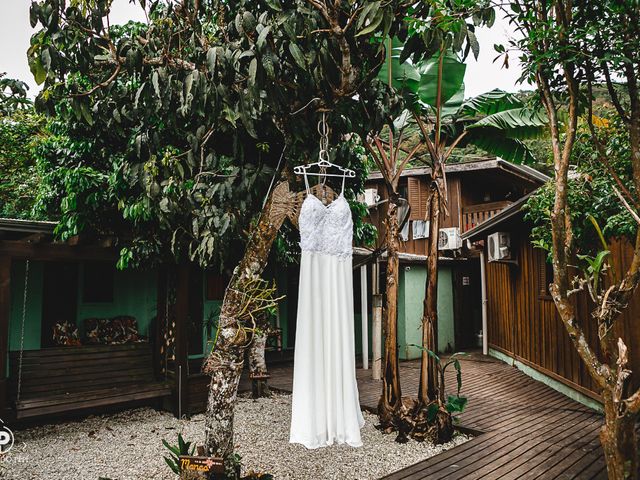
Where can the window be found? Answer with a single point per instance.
(417, 192)
(97, 284)
(545, 276)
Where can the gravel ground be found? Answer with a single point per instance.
(127, 445)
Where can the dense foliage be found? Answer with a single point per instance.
(13, 95)
(22, 135)
(178, 126)
(591, 194)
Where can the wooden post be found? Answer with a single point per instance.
(376, 323)
(182, 341)
(365, 317)
(376, 338)
(485, 321)
(5, 314)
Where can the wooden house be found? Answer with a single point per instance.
(523, 326)
(476, 192)
(78, 335)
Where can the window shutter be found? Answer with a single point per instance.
(417, 192)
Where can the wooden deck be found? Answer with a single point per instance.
(529, 430)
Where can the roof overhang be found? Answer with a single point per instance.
(525, 172)
(403, 257)
(26, 226)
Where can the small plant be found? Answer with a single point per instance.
(182, 448)
(454, 403)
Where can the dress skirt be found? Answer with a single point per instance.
(325, 403)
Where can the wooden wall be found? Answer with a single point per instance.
(416, 193)
(524, 323)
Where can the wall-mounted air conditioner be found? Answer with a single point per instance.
(449, 239)
(371, 196)
(499, 247)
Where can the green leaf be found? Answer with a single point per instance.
(453, 71)
(172, 465)
(172, 448)
(248, 22)
(274, 5)
(404, 76)
(517, 123)
(432, 410)
(238, 24)
(452, 106)
(366, 12)
(38, 71)
(262, 37)
(373, 24)
(489, 103)
(45, 57)
(253, 68)
(212, 56)
(267, 64)
(473, 43)
(155, 81)
(298, 56)
(456, 404)
(86, 113)
(494, 142)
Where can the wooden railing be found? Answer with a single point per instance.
(474, 215)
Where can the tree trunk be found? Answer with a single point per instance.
(226, 361)
(428, 388)
(619, 442)
(258, 366)
(391, 399)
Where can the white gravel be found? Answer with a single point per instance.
(127, 445)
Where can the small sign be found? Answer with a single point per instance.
(6, 439)
(207, 466)
(466, 281)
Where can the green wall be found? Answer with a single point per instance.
(410, 306)
(211, 309)
(32, 322)
(135, 294)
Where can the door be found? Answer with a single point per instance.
(59, 297)
(467, 304)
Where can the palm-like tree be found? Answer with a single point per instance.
(437, 121)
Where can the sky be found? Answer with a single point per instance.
(15, 31)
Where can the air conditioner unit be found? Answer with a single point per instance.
(371, 197)
(449, 239)
(499, 247)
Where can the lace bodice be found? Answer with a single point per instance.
(326, 228)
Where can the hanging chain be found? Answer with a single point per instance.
(323, 131)
(323, 152)
(24, 315)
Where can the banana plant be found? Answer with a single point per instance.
(496, 121)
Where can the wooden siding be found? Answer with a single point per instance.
(417, 197)
(525, 324)
(474, 215)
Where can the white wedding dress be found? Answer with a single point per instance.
(325, 404)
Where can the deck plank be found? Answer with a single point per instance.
(530, 430)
